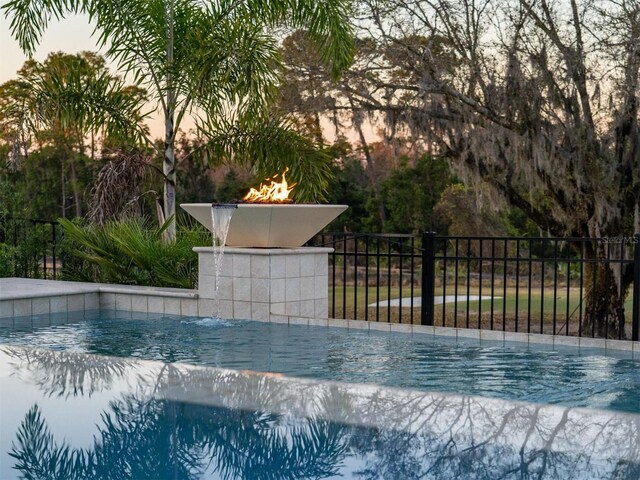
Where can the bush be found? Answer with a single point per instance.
(133, 252)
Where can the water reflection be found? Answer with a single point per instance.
(182, 422)
(568, 376)
(160, 439)
(63, 373)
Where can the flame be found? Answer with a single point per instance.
(276, 192)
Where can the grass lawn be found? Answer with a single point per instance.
(350, 302)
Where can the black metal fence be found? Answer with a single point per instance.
(29, 248)
(557, 286)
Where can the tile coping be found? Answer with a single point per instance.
(470, 334)
(57, 288)
(265, 251)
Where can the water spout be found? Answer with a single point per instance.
(221, 219)
(221, 214)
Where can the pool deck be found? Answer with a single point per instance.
(19, 288)
(32, 297)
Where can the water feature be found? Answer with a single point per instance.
(220, 219)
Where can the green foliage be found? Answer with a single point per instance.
(195, 183)
(41, 187)
(28, 248)
(134, 252)
(270, 148)
(7, 255)
(350, 186)
(233, 187)
(53, 119)
(406, 196)
(210, 61)
(458, 208)
(520, 225)
(410, 193)
(77, 93)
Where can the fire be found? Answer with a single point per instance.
(276, 192)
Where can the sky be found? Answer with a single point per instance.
(73, 35)
(70, 36)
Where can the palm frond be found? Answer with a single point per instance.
(234, 67)
(134, 252)
(271, 147)
(327, 23)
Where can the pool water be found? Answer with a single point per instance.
(512, 371)
(74, 416)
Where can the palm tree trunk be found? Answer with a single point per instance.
(169, 171)
(169, 164)
(63, 190)
(74, 189)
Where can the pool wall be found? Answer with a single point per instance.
(26, 297)
(21, 297)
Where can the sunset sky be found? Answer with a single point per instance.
(73, 35)
(70, 36)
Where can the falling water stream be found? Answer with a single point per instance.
(220, 218)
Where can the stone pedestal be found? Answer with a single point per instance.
(268, 284)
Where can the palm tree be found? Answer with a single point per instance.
(64, 101)
(216, 61)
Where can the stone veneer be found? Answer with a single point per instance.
(267, 283)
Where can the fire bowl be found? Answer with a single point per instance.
(269, 225)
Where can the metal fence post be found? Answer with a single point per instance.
(635, 323)
(428, 277)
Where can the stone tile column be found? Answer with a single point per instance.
(268, 284)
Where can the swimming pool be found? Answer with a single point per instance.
(563, 376)
(77, 416)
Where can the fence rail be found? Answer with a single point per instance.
(29, 248)
(558, 286)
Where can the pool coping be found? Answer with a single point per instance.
(32, 297)
(51, 288)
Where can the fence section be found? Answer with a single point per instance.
(29, 248)
(557, 286)
(371, 275)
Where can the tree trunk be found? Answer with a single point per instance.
(607, 281)
(63, 189)
(370, 175)
(169, 164)
(74, 189)
(169, 171)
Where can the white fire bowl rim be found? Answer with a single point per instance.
(270, 225)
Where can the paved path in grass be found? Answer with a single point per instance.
(438, 300)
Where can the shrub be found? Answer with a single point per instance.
(133, 252)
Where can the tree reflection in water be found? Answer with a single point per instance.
(180, 422)
(159, 439)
